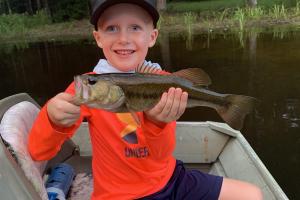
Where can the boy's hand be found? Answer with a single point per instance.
(61, 111)
(170, 107)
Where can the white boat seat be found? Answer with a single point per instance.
(17, 116)
(14, 127)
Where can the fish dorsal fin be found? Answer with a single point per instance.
(196, 75)
(147, 68)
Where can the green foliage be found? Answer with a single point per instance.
(297, 8)
(189, 18)
(66, 10)
(16, 6)
(239, 15)
(271, 3)
(205, 14)
(20, 23)
(242, 14)
(200, 6)
(217, 5)
(278, 11)
(255, 13)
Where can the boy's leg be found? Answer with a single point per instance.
(189, 185)
(237, 190)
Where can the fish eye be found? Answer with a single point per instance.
(91, 82)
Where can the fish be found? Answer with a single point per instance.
(142, 90)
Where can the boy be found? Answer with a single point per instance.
(130, 161)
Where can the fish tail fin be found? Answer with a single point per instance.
(235, 112)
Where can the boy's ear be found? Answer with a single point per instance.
(154, 35)
(97, 38)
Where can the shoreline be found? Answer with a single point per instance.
(83, 30)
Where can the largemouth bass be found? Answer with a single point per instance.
(133, 92)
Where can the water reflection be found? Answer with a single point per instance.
(43, 69)
(290, 114)
(267, 67)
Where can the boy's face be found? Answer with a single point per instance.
(125, 32)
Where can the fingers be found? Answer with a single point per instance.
(62, 111)
(175, 99)
(171, 106)
(182, 105)
(66, 103)
(160, 106)
(179, 102)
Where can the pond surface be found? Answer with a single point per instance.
(265, 66)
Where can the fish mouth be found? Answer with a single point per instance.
(81, 90)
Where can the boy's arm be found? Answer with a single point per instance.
(45, 138)
(158, 124)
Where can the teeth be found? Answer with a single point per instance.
(124, 52)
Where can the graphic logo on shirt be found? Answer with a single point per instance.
(139, 152)
(128, 134)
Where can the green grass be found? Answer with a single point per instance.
(271, 3)
(278, 11)
(188, 17)
(240, 16)
(203, 5)
(297, 8)
(218, 5)
(21, 23)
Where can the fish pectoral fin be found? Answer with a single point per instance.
(196, 75)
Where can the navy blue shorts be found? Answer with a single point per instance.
(189, 185)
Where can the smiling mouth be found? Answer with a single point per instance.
(124, 52)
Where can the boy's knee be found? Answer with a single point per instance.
(234, 189)
(256, 193)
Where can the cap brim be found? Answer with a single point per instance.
(101, 8)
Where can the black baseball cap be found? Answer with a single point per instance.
(99, 6)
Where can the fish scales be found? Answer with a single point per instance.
(153, 86)
(126, 92)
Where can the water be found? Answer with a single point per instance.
(265, 66)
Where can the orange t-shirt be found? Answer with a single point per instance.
(129, 161)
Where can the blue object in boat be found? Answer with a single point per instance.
(60, 181)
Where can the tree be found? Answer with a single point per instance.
(65, 10)
(29, 7)
(46, 7)
(251, 3)
(38, 4)
(8, 6)
(161, 5)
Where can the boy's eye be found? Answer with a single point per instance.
(111, 29)
(135, 28)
